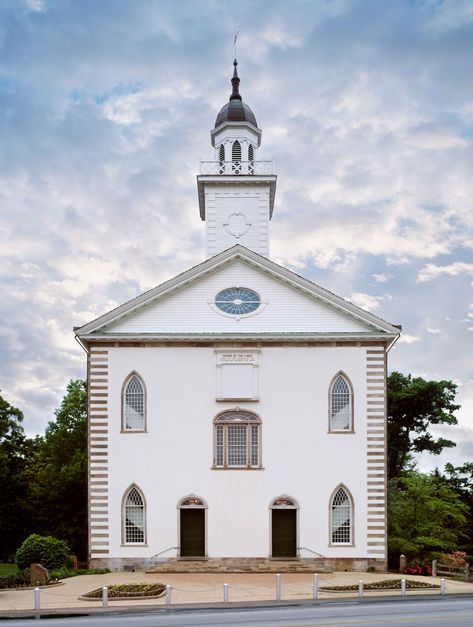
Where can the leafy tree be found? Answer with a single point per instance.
(15, 451)
(460, 478)
(413, 405)
(425, 515)
(58, 473)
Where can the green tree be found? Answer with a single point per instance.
(58, 473)
(413, 406)
(425, 515)
(15, 451)
(460, 479)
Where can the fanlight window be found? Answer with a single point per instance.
(237, 440)
(134, 518)
(341, 405)
(341, 518)
(134, 405)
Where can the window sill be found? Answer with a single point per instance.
(134, 544)
(233, 399)
(237, 468)
(337, 432)
(133, 431)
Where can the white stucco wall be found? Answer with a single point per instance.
(300, 458)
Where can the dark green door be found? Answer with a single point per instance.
(193, 532)
(284, 532)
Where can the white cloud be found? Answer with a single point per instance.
(433, 271)
(383, 277)
(408, 339)
(368, 301)
(433, 331)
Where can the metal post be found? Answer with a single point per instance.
(315, 589)
(442, 586)
(168, 594)
(403, 587)
(278, 587)
(225, 592)
(104, 596)
(360, 588)
(434, 568)
(37, 599)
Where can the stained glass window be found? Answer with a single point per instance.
(237, 301)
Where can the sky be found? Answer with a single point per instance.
(105, 111)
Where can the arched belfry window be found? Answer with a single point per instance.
(251, 156)
(133, 404)
(237, 440)
(340, 404)
(236, 157)
(221, 156)
(133, 515)
(341, 517)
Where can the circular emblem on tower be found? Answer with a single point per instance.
(237, 224)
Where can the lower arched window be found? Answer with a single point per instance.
(341, 517)
(134, 517)
(237, 440)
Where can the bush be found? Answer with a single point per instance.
(418, 567)
(17, 580)
(63, 573)
(45, 550)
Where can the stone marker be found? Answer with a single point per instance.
(39, 575)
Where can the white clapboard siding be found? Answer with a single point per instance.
(286, 309)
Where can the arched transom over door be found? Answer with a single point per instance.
(192, 526)
(284, 527)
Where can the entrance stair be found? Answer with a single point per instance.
(241, 565)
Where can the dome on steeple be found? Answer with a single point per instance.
(235, 110)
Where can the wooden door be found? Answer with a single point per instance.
(284, 532)
(192, 532)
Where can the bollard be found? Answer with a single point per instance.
(104, 596)
(37, 599)
(315, 589)
(442, 586)
(360, 588)
(168, 595)
(403, 587)
(278, 587)
(225, 592)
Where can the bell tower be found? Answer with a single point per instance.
(236, 189)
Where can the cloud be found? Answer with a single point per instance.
(383, 277)
(368, 301)
(433, 331)
(408, 339)
(433, 271)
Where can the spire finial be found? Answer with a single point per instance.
(235, 83)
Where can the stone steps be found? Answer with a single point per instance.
(241, 565)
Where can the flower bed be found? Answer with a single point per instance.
(129, 591)
(385, 584)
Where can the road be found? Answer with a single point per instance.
(435, 612)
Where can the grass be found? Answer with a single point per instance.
(7, 569)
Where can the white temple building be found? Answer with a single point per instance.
(238, 410)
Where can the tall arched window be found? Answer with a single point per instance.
(236, 157)
(133, 517)
(237, 440)
(133, 404)
(340, 404)
(341, 514)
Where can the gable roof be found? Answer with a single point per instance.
(98, 328)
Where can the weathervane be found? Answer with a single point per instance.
(237, 32)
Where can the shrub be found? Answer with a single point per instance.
(63, 573)
(17, 580)
(418, 567)
(456, 558)
(45, 550)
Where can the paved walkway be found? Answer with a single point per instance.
(205, 588)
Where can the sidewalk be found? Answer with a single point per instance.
(196, 589)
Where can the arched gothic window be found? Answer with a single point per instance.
(236, 157)
(134, 404)
(341, 404)
(237, 440)
(341, 524)
(133, 517)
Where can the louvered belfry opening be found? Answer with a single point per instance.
(236, 157)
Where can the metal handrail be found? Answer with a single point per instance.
(306, 548)
(166, 550)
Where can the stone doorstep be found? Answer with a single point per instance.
(242, 565)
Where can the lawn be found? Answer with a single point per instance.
(7, 569)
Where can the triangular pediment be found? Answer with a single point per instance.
(185, 305)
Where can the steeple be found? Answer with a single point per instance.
(236, 190)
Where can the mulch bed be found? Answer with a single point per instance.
(385, 584)
(129, 591)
